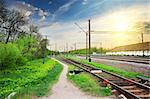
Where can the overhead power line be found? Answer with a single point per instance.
(86, 36)
(80, 27)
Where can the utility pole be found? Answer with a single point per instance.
(142, 42)
(64, 49)
(142, 37)
(50, 50)
(86, 45)
(101, 48)
(67, 48)
(44, 49)
(89, 41)
(75, 46)
(55, 49)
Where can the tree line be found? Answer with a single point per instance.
(19, 41)
(93, 50)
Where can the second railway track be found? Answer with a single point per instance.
(127, 59)
(127, 87)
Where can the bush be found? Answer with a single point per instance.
(21, 60)
(10, 55)
(29, 47)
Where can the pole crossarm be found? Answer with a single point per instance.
(101, 32)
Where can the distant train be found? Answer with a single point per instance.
(139, 49)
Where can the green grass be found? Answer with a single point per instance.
(35, 78)
(88, 84)
(109, 68)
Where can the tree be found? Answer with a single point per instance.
(3, 15)
(33, 29)
(11, 22)
(3, 11)
(15, 21)
(43, 44)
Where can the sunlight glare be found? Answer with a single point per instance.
(122, 26)
(122, 23)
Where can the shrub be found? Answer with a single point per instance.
(10, 55)
(21, 60)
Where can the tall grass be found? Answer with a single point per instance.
(88, 84)
(34, 77)
(109, 68)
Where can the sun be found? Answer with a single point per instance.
(121, 26)
(122, 23)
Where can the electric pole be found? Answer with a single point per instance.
(44, 48)
(55, 49)
(89, 41)
(101, 48)
(50, 49)
(86, 45)
(142, 37)
(75, 46)
(67, 48)
(142, 42)
(64, 50)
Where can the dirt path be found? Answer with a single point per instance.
(66, 90)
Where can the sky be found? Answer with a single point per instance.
(56, 19)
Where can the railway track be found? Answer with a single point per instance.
(134, 60)
(127, 87)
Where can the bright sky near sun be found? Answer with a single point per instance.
(56, 19)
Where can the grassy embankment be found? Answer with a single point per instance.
(88, 83)
(33, 79)
(109, 68)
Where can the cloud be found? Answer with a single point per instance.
(30, 10)
(46, 18)
(62, 32)
(53, 20)
(42, 18)
(50, 2)
(21, 5)
(68, 32)
(64, 8)
(28, 13)
(42, 14)
(90, 6)
(133, 14)
(84, 2)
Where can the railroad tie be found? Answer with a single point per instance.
(144, 96)
(128, 87)
(136, 90)
(96, 71)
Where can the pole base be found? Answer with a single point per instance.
(89, 59)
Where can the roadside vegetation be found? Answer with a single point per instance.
(33, 78)
(24, 66)
(88, 83)
(108, 68)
